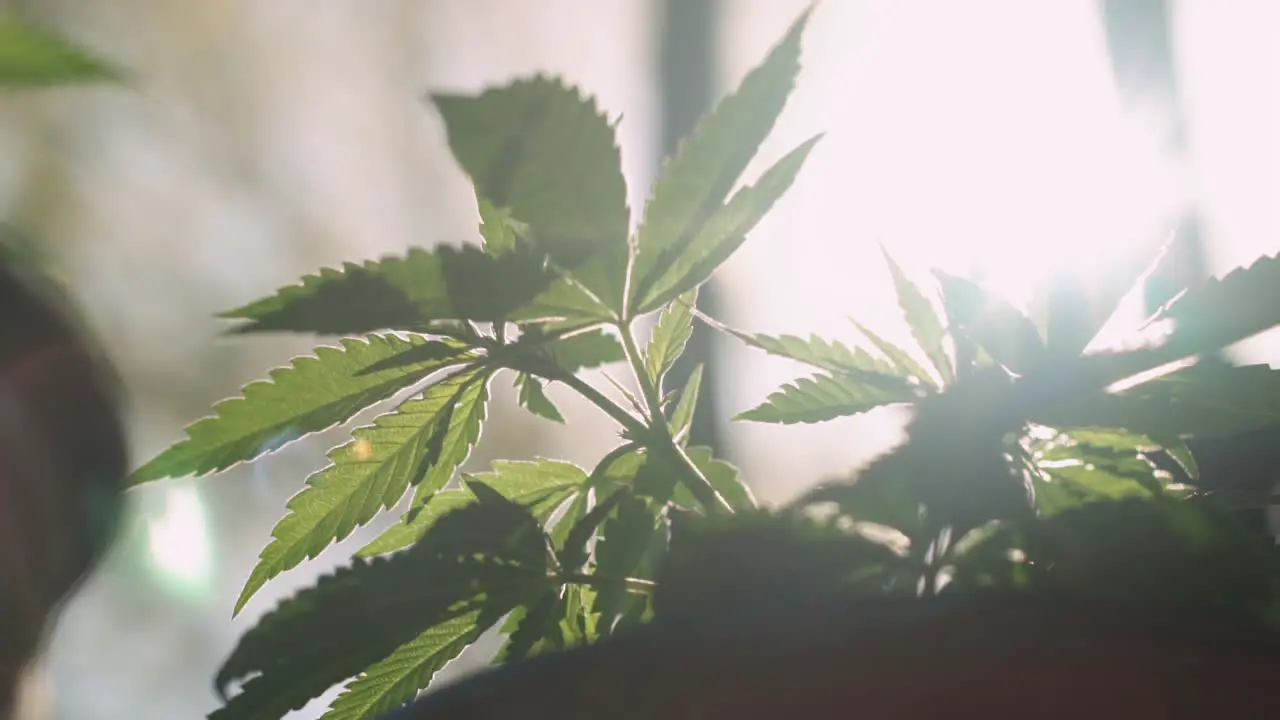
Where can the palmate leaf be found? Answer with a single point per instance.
(1093, 465)
(693, 185)
(926, 327)
(487, 558)
(539, 485)
(586, 350)
(685, 266)
(1201, 400)
(371, 473)
(391, 682)
(819, 398)
(998, 327)
(545, 153)
(401, 293)
(310, 395)
(32, 56)
(670, 335)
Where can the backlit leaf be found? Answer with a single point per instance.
(548, 155)
(692, 186)
(926, 327)
(823, 397)
(369, 474)
(670, 335)
(401, 293)
(310, 395)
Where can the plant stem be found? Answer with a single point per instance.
(611, 408)
(659, 439)
(635, 586)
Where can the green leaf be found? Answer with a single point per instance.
(625, 539)
(682, 416)
(310, 395)
(723, 476)
(926, 327)
(1206, 400)
(544, 152)
(430, 351)
(401, 293)
(534, 399)
(371, 473)
(32, 56)
(873, 497)
(823, 397)
(488, 557)
(572, 553)
(538, 627)
(395, 680)
(499, 230)
(404, 534)
(692, 186)
(683, 267)
(539, 485)
(998, 327)
(586, 350)
(670, 335)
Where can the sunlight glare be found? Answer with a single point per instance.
(178, 539)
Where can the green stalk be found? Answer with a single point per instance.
(659, 439)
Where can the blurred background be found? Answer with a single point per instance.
(261, 140)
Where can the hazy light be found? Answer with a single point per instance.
(178, 539)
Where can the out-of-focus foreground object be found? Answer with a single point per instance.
(62, 458)
(1008, 657)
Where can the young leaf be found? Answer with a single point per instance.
(926, 327)
(32, 56)
(534, 399)
(667, 343)
(368, 474)
(685, 266)
(396, 679)
(823, 397)
(682, 416)
(692, 185)
(572, 553)
(401, 293)
(722, 476)
(998, 327)
(539, 485)
(310, 395)
(545, 153)
(488, 557)
(499, 230)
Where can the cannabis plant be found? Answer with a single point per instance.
(1019, 434)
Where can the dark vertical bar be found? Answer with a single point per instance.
(688, 64)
